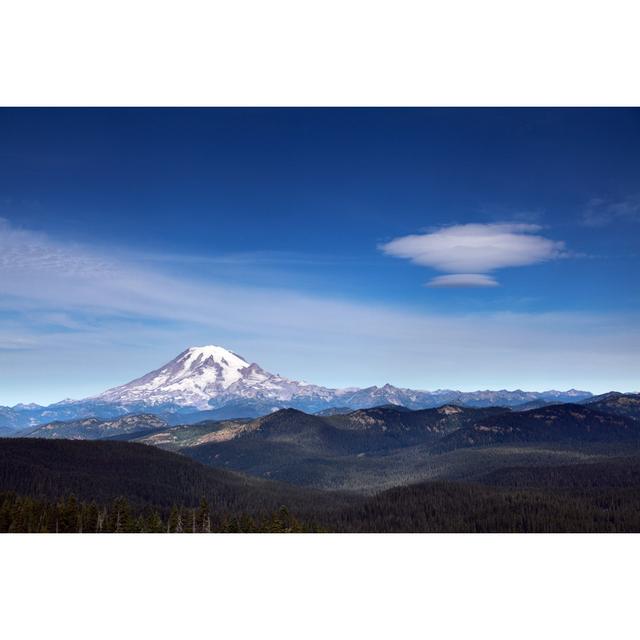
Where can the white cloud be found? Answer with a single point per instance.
(475, 249)
(463, 280)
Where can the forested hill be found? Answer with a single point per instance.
(108, 486)
(102, 471)
(578, 498)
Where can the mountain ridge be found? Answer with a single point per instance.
(382, 446)
(222, 383)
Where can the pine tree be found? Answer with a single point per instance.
(101, 520)
(246, 524)
(91, 518)
(175, 523)
(203, 517)
(284, 520)
(121, 520)
(17, 519)
(154, 523)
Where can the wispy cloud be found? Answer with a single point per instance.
(248, 258)
(473, 250)
(600, 212)
(25, 250)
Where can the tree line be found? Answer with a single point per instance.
(434, 507)
(25, 514)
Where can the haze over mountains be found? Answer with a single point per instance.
(215, 383)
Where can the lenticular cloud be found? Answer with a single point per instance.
(468, 252)
(463, 280)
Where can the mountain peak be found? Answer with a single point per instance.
(212, 354)
(213, 351)
(192, 378)
(211, 376)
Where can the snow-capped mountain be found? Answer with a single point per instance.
(215, 383)
(209, 377)
(212, 377)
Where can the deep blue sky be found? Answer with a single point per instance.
(299, 202)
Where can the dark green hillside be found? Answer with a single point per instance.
(455, 508)
(363, 430)
(333, 411)
(320, 451)
(105, 486)
(589, 498)
(371, 450)
(105, 470)
(338, 451)
(404, 427)
(565, 423)
(614, 473)
(620, 404)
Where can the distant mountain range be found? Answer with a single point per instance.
(214, 383)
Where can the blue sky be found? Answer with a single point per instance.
(459, 248)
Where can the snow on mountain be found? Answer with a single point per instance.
(26, 407)
(209, 376)
(223, 385)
